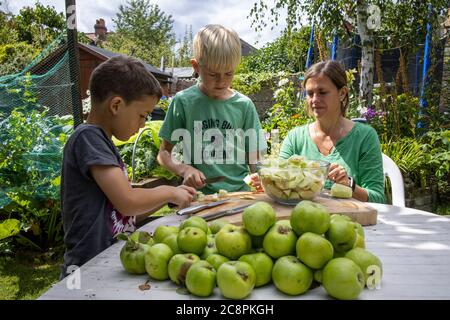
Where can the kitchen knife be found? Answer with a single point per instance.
(200, 207)
(229, 212)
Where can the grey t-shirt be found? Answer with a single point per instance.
(90, 221)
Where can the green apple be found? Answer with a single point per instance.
(359, 229)
(308, 216)
(195, 221)
(236, 279)
(258, 218)
(142, 237)
(279, 241)
(216, 225)
(216, 260)
(343, 279)
(132, 257)
(178, 266)
(318, 275)
(201, 279)
(233, 241)
(314, 250)
(369, 263)
(340, 216)
(284, 222)
(342, 235)
(359, 242)
(163, 231)
(192, 240)
(156, 260)
(262, 264)
(171, 241)
(210, 247)
(291, 276)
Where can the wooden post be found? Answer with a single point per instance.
(74, 61)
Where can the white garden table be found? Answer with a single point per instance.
(413, 245)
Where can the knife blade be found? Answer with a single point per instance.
(200, 207)
(229, 212)
(214, 179)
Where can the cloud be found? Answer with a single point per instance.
(230, 13)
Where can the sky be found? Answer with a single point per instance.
(230, 13)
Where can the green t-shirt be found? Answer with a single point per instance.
(358, 152)
(217, 135)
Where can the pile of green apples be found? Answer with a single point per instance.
(311, 248)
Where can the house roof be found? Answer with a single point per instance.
(109, 54)
(246, 48)
(182, 72)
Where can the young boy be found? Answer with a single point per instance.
(97, 199)
(213, 117)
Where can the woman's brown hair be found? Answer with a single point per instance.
(335, 72)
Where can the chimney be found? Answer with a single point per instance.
(100, 29)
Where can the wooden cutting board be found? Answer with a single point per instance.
(359, 211)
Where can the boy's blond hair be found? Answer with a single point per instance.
(217, 47)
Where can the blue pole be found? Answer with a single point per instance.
(310, 57)
(426, 67)
(334, 47)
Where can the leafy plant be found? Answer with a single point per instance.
(147, 149)
(30, 165)
(289, 109)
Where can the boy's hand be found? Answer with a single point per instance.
(256, 182)
(194, 178)
(183, 196)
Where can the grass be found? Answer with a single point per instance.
(27, 275)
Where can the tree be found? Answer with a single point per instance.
(7, 33)
(184, 52)
(287, 53)
(38, 25)
(392, 17)
(143, 31)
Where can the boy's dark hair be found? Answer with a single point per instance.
(123, 76)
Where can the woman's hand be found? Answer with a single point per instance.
(193, 178)
(338, 174)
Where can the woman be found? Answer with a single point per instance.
(353, 149)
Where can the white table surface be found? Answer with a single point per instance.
(413, 245)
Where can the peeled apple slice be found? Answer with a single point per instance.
(341, 191)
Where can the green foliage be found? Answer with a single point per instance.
(287, 53)
(39, 25)
(144, 31)
(425, 160)
(14, 57)
(30, 165)
(251, 82)
(147, 148)
(288, 111)
(394, 116)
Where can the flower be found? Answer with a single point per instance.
(277, 93)
(283, 82)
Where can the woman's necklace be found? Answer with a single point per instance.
(328, 150)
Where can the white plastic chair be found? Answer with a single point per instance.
(391, 170)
